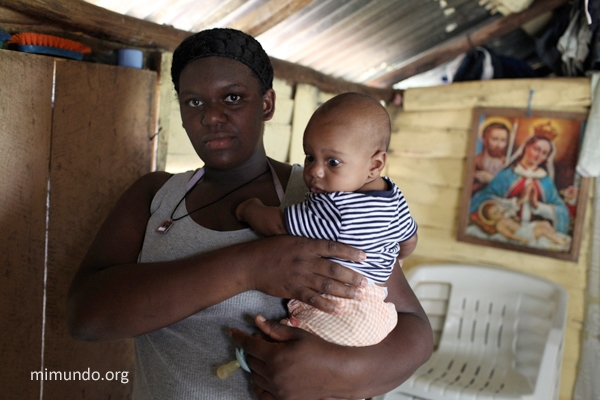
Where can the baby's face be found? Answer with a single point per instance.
(495, 213)
(336, 158)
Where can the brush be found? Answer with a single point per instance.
(37, 43)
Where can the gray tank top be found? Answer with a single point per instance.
(181, 360)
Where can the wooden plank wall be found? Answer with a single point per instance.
(278, 131)
(100, 146)
(100, 137)
(428, 155)
(25, 123)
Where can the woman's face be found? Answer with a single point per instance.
(536, 153)
(223, 111)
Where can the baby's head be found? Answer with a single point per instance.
(490, 212)
(346, 143)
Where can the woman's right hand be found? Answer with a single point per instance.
(294, 267)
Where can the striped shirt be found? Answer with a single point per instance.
(375, 222)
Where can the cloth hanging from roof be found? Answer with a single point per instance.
(570, 46)
(574, 45)
(589, 157)
(484, 64)
(591, 8)
(587, 386)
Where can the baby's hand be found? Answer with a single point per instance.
(266, 220)
(240, 211)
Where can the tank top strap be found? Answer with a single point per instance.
(276, 182)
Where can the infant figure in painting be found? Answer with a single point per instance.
(503, 222)
(346, 143)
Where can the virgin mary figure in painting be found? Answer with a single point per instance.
(526, 190)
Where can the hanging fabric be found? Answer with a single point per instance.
(574, 45)
(587, 386)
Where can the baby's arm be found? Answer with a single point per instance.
(408, 246)
(266, 220)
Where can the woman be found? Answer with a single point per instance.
(528, 180)
(173, 267)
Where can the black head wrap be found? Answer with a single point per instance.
(223, 42)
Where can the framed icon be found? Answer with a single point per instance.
(521, 191)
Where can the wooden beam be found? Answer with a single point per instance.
(97, 22)
(456, 46)
(101, 23)
(268, 15)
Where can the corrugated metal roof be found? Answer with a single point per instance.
(356, 40)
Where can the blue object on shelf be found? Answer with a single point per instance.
(50, 51)
(130, 58)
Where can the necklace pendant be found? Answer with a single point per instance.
(165, 226)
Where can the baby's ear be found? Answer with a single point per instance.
(377, 163)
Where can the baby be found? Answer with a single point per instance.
(492, 214)
(346, 143)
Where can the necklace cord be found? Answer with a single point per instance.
(212, 202)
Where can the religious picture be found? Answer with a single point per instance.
(521, 190)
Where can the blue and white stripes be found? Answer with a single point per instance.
(375, 222)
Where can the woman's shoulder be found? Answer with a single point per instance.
(158, 177)
(291, 178)
(151, 183)
(296, 188)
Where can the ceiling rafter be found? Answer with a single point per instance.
(219, 14)
(80, 16)
(268, 15)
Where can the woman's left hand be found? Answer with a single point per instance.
(289, 363)
(277, 366)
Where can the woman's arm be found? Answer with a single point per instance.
(303, 366)
(113, 297)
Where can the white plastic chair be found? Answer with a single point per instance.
(498, 334)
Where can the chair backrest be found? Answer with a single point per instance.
(494, 314)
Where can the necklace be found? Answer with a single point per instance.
(168, 223)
